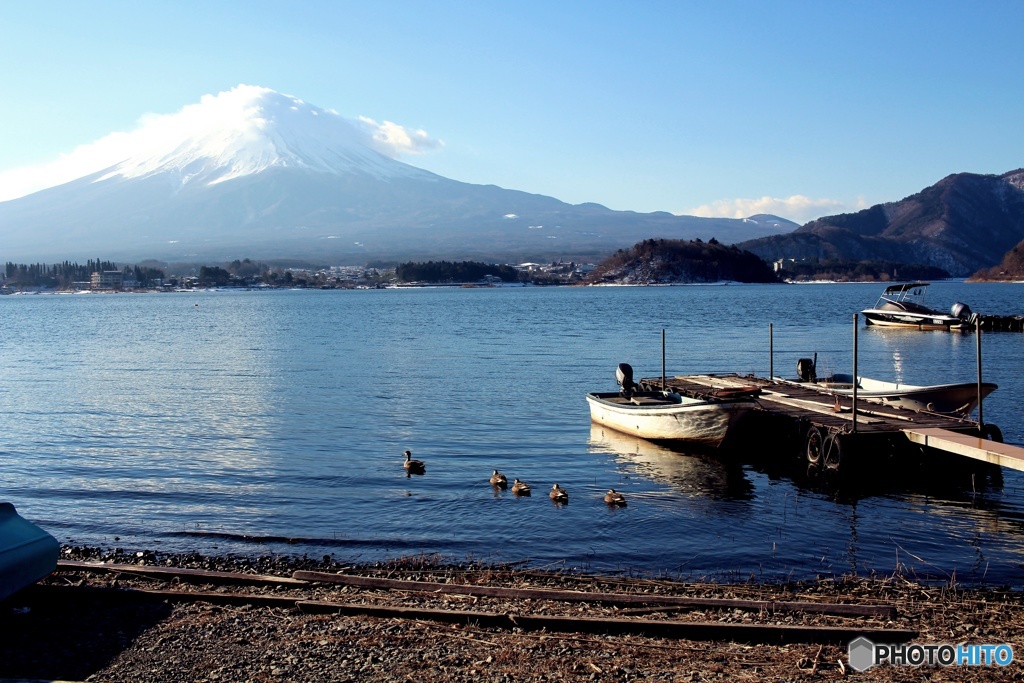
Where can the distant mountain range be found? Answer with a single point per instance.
(265, 175)
(963, 223)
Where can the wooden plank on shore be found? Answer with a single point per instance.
(128, 595)
(841, 609)
(169, 573)
(664, 628)
(995, 452)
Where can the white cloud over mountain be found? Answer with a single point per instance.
(233, 125)
(797, 208)
(393, 140)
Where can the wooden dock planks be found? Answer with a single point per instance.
(806, 406)
(1002, 454)
(802, 403)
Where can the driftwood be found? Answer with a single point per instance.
(168, 573)
(61, 594)
(689, 630)
(679, 601)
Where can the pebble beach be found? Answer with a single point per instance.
(101, 617)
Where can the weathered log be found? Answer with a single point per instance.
(62, 594)
(840, 609)
(688, 630)
(168, 573)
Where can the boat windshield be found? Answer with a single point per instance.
(912, 293)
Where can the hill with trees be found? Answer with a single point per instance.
(664, 261)
(1011, 269)
(964, 222)
(447, 271)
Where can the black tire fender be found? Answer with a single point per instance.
(992, 433)
(814, 443)
(833, 451)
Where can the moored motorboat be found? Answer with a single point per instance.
(704, 420)
(951, 399)
(903, 306)
(955, 399)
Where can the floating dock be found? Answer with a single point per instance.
(1001, 323)
(976, 447)
(828, 433)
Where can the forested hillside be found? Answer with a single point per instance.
(661, 261)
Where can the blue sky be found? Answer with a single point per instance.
(716, 108)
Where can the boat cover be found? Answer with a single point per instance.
(27, 553)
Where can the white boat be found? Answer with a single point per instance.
(950, 399)
(903, 306)
(702, 420)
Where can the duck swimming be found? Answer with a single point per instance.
(614, 498)
(498, 479)
(413, 466)
(520, 488)
(558, 494)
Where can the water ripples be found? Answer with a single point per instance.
(275, 421)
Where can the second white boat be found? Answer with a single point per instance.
(952, 399)
(703, 420)
(958, 398)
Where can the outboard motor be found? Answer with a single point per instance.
(806, 370)
(624, 378)
(962, 311)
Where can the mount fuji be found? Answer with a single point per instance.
(254, 173)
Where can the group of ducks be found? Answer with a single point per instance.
(519, 488)
(557, 493)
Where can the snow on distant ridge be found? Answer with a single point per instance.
(235, 133)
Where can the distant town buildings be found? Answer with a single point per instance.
(334, 277)
(107, 280)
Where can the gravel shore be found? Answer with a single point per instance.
(82, 624)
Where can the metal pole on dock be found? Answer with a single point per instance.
(771, 353)
(854, 408)
(663, 360)
(977, 331)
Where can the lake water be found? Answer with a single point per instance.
(274, 422)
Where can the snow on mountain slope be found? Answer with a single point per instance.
(256, 173)
(248, 130)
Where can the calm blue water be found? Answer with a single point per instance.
(225, 422)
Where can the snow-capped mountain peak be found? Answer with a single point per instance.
(250, 129)
(251, 172)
